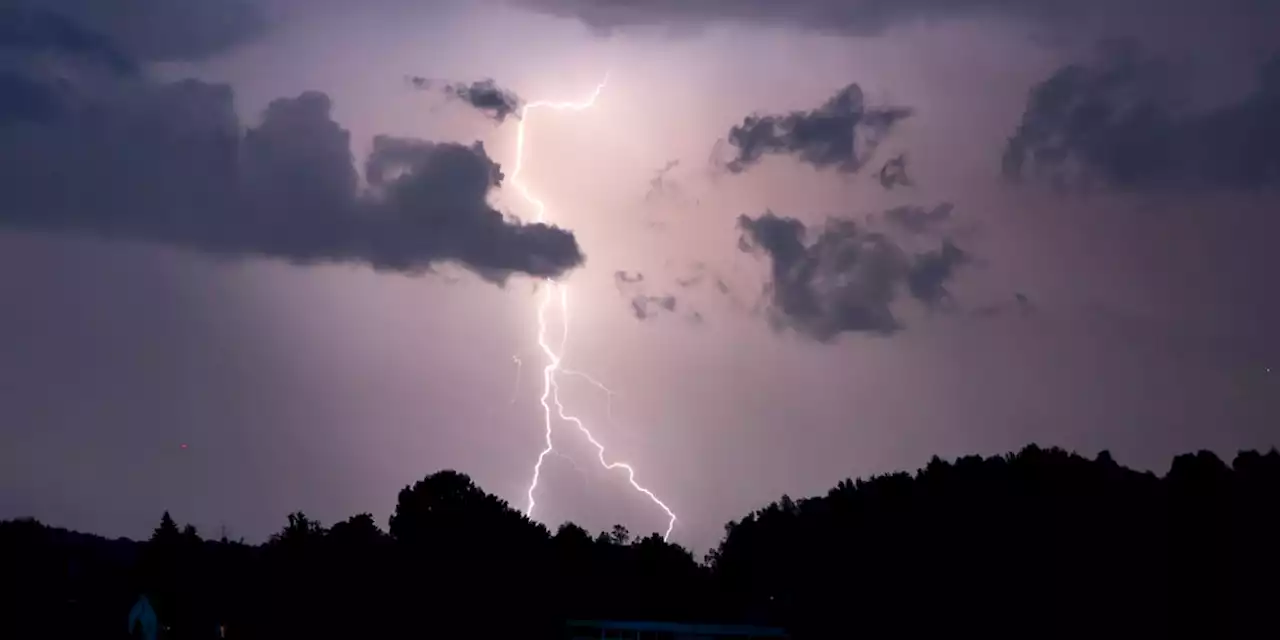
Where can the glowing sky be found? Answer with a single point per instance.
(326, 388)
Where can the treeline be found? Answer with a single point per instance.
(1041, 543)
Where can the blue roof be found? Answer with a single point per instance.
(679, 628)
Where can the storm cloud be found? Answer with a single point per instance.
(32, 31)
(1119, 121)
(894, 173)
(1020, 304)
(133, 158)
(931, 270)
(624, 279)
(487, 97)
(874, 17)
(847, 278)
(632, 285)
(645, 307)
(842, 133)
(917, 219)
(148, 31)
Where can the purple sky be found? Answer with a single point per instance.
(301, 377)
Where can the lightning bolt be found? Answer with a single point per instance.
(610, 394)
(551, 293)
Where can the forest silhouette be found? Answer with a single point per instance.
(1039, 543)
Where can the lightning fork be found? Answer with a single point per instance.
(550, 386)
(609, 393)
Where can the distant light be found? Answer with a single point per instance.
(184, 446)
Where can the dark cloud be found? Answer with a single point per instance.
(659, 185)
(873, 17)
(894, 173)
(918, 220)
(23, 98)
(930, 272)
(487, 97)
(170, 163)
(624, 278)
(432, 197)
(645, 307)
(842, 133)
(144, 30)
(1120, 122)
(28, 30)
(1019, 304)
(847, 278)
(701, 273)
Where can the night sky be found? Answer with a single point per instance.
(261, 256)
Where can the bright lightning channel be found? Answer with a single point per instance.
(609, 393)
(553, 291)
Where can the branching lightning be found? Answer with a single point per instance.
(609, 393)
(552, 292)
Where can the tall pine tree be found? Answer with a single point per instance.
(167, 531)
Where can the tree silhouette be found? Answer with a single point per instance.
(1039, 543)
(167, 531)
(357, 532)
(301, 532)
(618, 535)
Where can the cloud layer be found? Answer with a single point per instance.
(147, 31)
(123, 156)
(487, 97)
(846, 279)
(893, 173)
(1119, 122)
(873, 17)
(842, 133)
